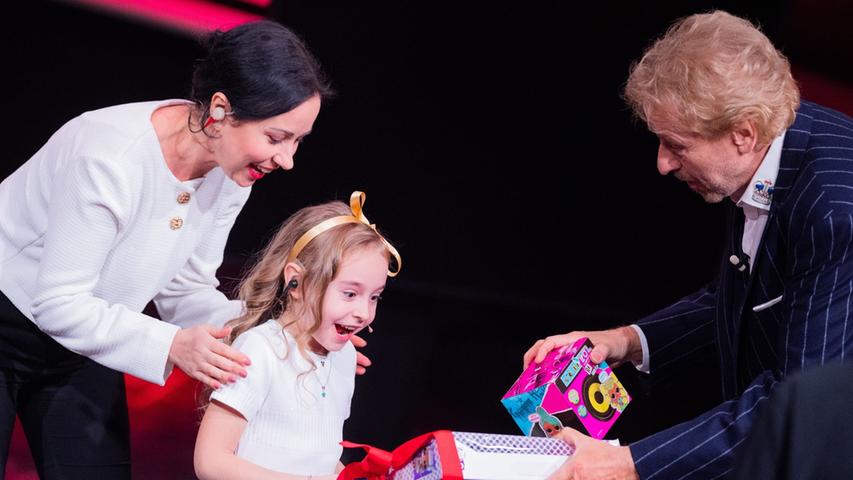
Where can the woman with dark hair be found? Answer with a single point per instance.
(129, 204)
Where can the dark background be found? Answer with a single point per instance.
(496, 154)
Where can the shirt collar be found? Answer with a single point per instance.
(759, 191)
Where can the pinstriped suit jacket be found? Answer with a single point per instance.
(806, 258)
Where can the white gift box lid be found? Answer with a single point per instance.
(490, 456)
(509, 457)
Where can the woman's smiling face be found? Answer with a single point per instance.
(248, 150)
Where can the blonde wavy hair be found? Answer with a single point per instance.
(711, 71)
(262, 288)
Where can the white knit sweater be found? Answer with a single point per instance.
(292, 427)
(86, 241)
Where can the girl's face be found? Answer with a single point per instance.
(350, 301)
(249, 150)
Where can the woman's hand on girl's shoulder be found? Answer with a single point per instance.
(199, 352)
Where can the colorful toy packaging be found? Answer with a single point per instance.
(446, 455)
(566, 390)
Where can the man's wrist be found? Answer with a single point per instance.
(630, 469)
(633, 346)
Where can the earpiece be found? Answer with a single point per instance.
(369, 329)
(216, 115)
(293, 283)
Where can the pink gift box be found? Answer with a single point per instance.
(567, 390)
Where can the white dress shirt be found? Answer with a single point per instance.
(755, 203)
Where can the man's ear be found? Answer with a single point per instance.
(744, 135)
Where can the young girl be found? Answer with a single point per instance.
(316, 284)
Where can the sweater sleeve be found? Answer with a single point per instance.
(192, 297)
(247, 394)
(89, 208)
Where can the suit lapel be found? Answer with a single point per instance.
(768, 265)
(730, 302)
(766, 278)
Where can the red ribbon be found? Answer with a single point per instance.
(377, 462)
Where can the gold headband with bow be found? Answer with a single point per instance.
(356, 202)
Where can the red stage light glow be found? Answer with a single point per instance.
(185, 16)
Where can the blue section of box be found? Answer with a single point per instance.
(521, 405)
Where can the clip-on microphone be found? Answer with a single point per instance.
(740, 262)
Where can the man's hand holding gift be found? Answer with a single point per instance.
(594, 459)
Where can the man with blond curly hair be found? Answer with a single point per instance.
(727, 112)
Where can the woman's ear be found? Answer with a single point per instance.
(218, 110)
(219, 100)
